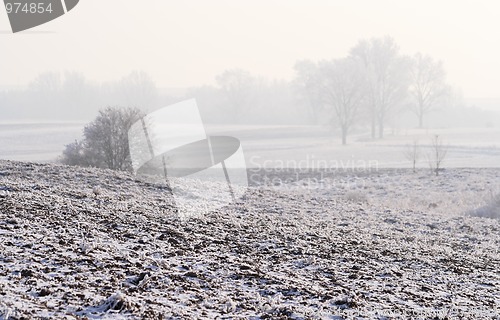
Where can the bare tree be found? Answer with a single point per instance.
(238, 86)
(428, 85)
(387, 74)
(43, 93)
(308, 81)
(48, 82)
(78, 98)
(437, 154)
(412, 154)
(343, 89)
(138, 90)
(105, 143)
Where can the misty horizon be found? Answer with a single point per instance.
(264, 37)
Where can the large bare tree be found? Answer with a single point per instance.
(428, 85)
(387, 74)
(343, 89)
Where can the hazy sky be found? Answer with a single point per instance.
(186, 43)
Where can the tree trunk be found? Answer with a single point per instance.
(421, 121)
(344, 136)
(374, 125)
(381, 129)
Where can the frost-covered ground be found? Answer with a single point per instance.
(387, 244)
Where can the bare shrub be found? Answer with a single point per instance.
(105, 143)
(412, 153)
(437, 154)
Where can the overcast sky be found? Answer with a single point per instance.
(186, 43)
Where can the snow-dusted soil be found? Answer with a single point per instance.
(377, 245)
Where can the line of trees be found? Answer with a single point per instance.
(367, 88)
(69, 96)
(373, 83)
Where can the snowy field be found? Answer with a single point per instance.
(40, 142)
(317, 147)
(288, 147)
(379, 244)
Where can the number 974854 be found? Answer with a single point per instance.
(28, 7)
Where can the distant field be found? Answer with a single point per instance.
(282, 146)
(38, 142)
(317, 147)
